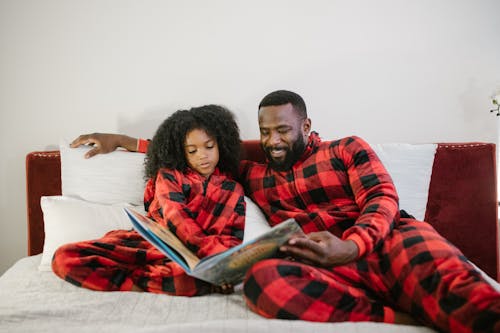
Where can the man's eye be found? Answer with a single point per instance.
(283, 130)
(263, 132)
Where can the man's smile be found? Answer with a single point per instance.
(277, 152)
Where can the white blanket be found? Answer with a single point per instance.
(34, 301)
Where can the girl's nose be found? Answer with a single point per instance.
(203, 155)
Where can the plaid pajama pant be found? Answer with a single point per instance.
(120, 260)
(415, 271)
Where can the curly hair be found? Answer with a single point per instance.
(166, 149)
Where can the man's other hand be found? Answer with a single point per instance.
(104, 143)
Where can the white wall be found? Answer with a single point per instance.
(388, 70)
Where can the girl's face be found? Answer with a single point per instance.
(202, 152)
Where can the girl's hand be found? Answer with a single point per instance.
(321, 249)
(225, 289)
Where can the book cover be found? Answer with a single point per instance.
(229, 266)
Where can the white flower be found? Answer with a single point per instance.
(496, 99)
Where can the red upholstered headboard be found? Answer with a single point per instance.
(462, 202)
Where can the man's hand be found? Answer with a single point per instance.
(322, 249)
(104, 143)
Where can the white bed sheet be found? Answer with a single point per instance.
(34, 301)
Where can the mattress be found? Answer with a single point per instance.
(35, 301)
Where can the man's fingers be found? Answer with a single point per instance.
(92, 152)
(81, 140)
(301, 253)
(306, 243)
(300, 247)
(86, 139)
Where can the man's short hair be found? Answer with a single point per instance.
(282, 97)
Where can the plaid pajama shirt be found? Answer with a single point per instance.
(403, 264)
(206, 215)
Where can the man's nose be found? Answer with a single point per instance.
(275, 137)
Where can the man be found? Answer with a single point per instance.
(360, 261)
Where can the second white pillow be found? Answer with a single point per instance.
(69, 220)
(111, 178)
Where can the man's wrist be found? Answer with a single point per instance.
(129, 143)
(358, 245)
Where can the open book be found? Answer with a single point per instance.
(229, 266)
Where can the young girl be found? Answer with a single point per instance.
(190, 163)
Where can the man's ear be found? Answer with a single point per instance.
(306, 126)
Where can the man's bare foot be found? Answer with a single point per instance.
(405, 319)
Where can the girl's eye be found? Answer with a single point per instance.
(191, 151)
(210, 147)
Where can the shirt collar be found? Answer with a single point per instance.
(312, 145)
(216, 176)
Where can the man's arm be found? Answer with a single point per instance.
(377, 199)
(374, 193)
(105, 143)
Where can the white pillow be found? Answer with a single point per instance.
(255, 221)
(112, 178)
(410, 166)
(69, 220)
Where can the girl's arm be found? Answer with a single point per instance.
(209, 223)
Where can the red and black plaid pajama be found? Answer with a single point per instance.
(207, 215)
(403, 264)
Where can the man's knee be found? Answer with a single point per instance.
(266, 272)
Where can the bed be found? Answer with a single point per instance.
(456, 193)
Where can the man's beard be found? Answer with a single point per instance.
(291, 156)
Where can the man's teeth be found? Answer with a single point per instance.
(277, 151)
